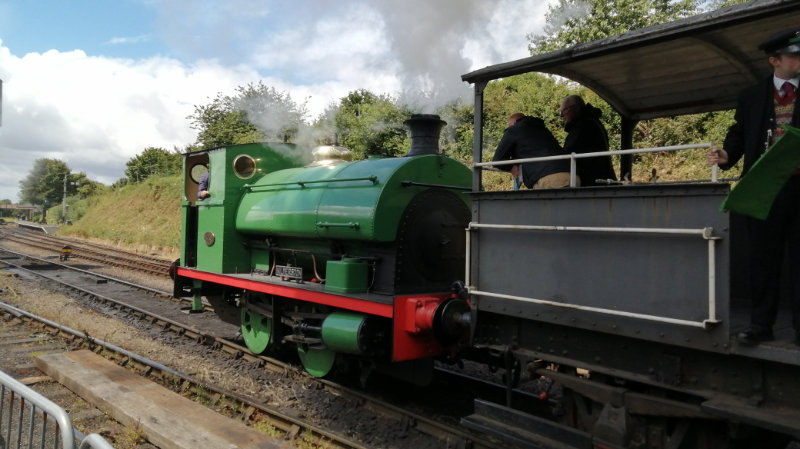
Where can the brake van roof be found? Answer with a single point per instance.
(693, 65)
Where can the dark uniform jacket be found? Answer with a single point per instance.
(528, 137)
(755, 117)
(586, 134)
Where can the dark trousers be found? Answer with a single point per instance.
(770, 239)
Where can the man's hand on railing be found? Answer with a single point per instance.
(717, 156)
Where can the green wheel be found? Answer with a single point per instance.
(317, 362)
(256, 331)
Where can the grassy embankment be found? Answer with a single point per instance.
(143, 217)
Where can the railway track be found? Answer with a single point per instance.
(211, 334)
(237, 406)
(102, 255)
(22, 338)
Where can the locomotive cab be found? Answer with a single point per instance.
(194, 168)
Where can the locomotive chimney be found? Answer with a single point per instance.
(425, 129)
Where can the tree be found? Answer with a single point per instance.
(716, 4)
(45, 182)
(368, 124)
(5, 212)
(153, 161)
(84, 186)
(530, 93)
(457, 135)
(256, 113)
(571, 22)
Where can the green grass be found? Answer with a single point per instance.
(146, 214)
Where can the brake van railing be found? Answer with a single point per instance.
(704, 233)
(29, 420)
(573, 157)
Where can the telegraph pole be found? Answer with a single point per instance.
(64, 200)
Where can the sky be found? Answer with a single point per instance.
(94, 82)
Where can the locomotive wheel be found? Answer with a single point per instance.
(256, 331)
(317, 362)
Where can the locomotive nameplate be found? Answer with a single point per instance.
(289, 272)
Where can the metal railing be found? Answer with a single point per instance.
(28, 420)
(704, 233)
(573, 157)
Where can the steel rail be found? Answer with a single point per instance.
(280, 420)
(98, 247)
(418, 422)
(154, 268)
(92, 273)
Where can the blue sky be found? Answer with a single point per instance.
(119, 28)
(95, 82)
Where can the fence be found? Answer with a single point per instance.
(28, 420)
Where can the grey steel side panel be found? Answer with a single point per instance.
(647, 274)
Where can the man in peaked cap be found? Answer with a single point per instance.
(760, 112)
(782, 42)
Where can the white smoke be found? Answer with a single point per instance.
(427, 39)
(95, 108)
(416, 50)
(568, 12)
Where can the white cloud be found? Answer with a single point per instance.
(95, 113)
(129, 39)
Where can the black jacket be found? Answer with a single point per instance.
(755, 116)
(528, 137)
(586, 134)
